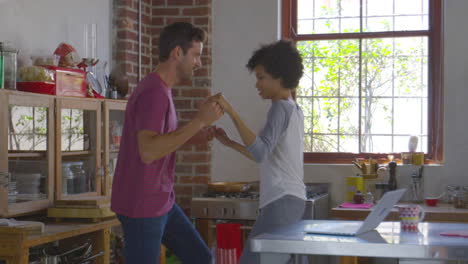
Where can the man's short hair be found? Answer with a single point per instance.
(178, 34)
(281, 60)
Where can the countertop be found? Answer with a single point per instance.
(387, 240)
(439, 213)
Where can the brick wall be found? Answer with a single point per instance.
(194, 162)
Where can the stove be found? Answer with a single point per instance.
(244, 205)
(212, 208)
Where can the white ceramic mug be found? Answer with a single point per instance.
(410, 216)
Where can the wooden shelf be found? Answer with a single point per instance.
(77, 153)
(26, 154)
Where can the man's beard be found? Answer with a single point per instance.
(185, 75)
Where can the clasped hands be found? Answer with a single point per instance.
(209, 111)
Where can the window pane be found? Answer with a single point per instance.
(349, 118)
(331, 67)
(373, 143)
(423, 145)
(328, 16)
(425, 113)
(411, 66)
(325, 118)
(408, 113)
(412, 7)
(411, 23)
(376, 115)
(324, 143)
(308, 143)
(401, 143)
(395, 15)
(349, 144)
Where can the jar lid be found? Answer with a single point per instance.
(6, 49)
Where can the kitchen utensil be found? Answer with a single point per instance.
(93, 81)
(359, 166)
(229, 186)
(416, 185)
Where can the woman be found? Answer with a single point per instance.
(278, 148)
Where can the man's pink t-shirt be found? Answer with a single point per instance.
(139, 189)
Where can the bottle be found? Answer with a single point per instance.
(353, 184)
(392, 182)
(2, 71)
(358, 197)
(8, 65)
(369, 197)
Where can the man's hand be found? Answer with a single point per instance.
(221, 100)
(222, 137)
(209, 111)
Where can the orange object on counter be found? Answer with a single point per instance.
(68, 55)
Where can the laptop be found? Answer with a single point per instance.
(353, 228)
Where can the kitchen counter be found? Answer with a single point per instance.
(439, 213)
(386, 241)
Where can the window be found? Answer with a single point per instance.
(372, 76)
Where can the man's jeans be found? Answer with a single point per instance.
(143, 237)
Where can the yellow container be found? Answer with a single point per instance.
(353, 184)
(418, 158)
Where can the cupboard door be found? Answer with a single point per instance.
(78, 145)
(114, 115)
(26, 163)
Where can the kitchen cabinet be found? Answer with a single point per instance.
(15, 245)
(113, 115)
(56, 148)
(78, 148)
(26, 152)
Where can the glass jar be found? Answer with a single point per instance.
(8, 67)
(459, 198)
(450, 192)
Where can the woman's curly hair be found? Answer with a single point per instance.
(281, 60)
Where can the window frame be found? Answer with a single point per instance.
(435, 78)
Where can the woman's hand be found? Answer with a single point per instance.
(221, 100)
(203, 136)
(222, 137)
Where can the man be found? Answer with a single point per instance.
(142, 192)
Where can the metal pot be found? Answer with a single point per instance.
(232, 186)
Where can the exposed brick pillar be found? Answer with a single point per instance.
(193, 163)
